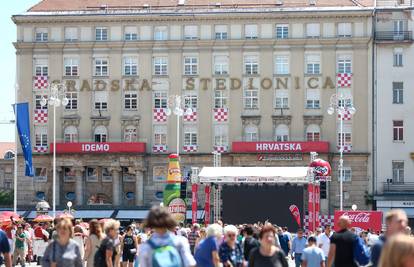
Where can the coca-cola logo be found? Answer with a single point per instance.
(321, 170)
(361, 217)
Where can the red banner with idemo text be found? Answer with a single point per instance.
(361, 219)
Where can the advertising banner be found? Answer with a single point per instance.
(207, 205)
(280, 147)
(194, 190)
(311, 207)
(361, 219)
(111, 147)
(295, 213)
(316, 201)
(172, 200)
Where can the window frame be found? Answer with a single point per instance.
(398, 174)
(103, 34)
(284, 31)
(70, 137)
(160, 33)
(282, 67)
(160, 99)
(130, 100)
(398, 130)
(41, 136)
(251, 65)
(100, 105)
(132, 63)
(130, 134)
(100, 137)
(192, 34)
(41, 35)
(103, 65)
(161, 63)
(251, 99)
(251, 133)
(397, 93)
(220, 34)
(220, 98)
(71, 66)
(160, 135)
(221, 67)
(190, 136)
(72, 101)
(251, 31)
(190, 65)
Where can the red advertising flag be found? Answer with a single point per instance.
(207, 205)
(295, 213)
(317, 198)
(311, 215)
(194, 189)
(361, 219)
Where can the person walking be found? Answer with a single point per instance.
(341, 249)
(312, 255)
(63, 251)
(298, 245)
(79, 237)
(193, 236)
(129, 245)
(5, 249)
(20, 246)
(230, 251)
(106, 253)
(203, 235)
(324, 241)
(267, 254)
(93, 242)
(284, 241)
(249, 242)
(206, 254)
(398, 251)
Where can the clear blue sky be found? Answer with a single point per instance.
(8, 62)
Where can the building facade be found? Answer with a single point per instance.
(257, 77)
(393, 125)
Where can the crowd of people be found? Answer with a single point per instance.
(160, 241)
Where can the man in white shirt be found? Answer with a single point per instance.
(324, 241)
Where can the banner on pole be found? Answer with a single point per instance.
(296, 214)
(207, 205)
(23, 128)
(311, 207)
(194, 190)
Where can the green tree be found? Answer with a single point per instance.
(6, 197)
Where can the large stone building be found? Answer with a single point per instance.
(258, 76)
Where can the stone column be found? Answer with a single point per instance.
(139, 188)
(58, 177)
(79, 185)
(116, 190)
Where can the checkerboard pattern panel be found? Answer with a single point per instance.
(41, 82)
(191, 117)
(221, 114)
(159, 115)
(323, 219)
(191, 148)
(347, 148)
(40, 116)
(344, 79)
(40, 149)
(159, 149)
(345, 115)
(220, 149)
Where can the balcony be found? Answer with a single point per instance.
(398, 188)
(393, 36)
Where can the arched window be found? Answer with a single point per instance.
(282, 133)
(101, 134)
(71, 134)
(130, 134)
(9, 155)
(313, 133)
(251, 133)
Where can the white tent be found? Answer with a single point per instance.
(229, 175)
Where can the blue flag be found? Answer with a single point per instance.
(23, 128)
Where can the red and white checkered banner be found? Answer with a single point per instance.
(190, 148)
(40, 149)
(343, 79)
(345, 115)
(159, 149)
(220, 149)
(160, 115)
(40, 115)
(323, 219)
(41, 82)
(221, 114)
(191, 117)
(346, 149)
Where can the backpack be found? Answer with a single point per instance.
(165, 256)
(361, 254)
(100, 255)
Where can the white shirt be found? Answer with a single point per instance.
(324, 240)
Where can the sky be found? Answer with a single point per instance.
(8, 63)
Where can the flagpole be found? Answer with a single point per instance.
(16, 88)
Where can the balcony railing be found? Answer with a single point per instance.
(398, 188)
(394, 36)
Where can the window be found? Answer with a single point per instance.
(282, 133)
(41, 35)
(100, 100)
(71, 34)
(9, 155)
(190, 101)
(91, 174)
(251, 98)
(72, 101)
(345, 139)
(220, 32)
(344, 65)
(220, 135)
(312, 30)
(190, 136)
(41, 175)
(397, 92)
(313, 133)
(130, 66)
(190, 65)
(221, 65)
(160, 135)
(398, 130)
(250, 31)
(399, 28)
(398, 57)
(282, 64)
(398, 171)
(101, 67)
(251, 133)
(313, 64)
(100, 134)
(41, 136)
(101, 34)
(346, 174)
(131, 33)
(282, 31)
(160, 33)
(220, 99)
(160, 99)
(312, 99)
(70, 134)
(38, 99)
(41, 67)
(190, 32)
(281, 99)
(130, 134)
(160, 66)
(251, 65)
(71, 66)
(344, 29)
(130, 100)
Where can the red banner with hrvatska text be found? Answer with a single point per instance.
(194, 189)
(207, 205)
(361, 219)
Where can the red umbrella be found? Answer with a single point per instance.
(43, 218)
(9, 214)
(65, 215)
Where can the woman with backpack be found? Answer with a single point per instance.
(129, 246)
(93, 242)
(164, 249)
(106, 254)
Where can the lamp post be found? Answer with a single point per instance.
(340, 109)
(69, 204)
(56, 97)
(176, 107)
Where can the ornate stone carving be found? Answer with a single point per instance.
(98, 121)
(308, 120)
(250, 119)
(281, 119)
(130, 120)
(70, 120)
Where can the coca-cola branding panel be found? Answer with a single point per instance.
(361, 219)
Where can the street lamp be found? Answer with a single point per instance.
(69, 204)
(56, 97)
(341, 109)
(176, 107)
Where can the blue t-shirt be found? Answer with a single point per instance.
(203, 254)
(4, 244)
(313, 256)
(284, 243)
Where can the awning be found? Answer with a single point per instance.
(239, 175)
(79, 214)
(142, 214)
